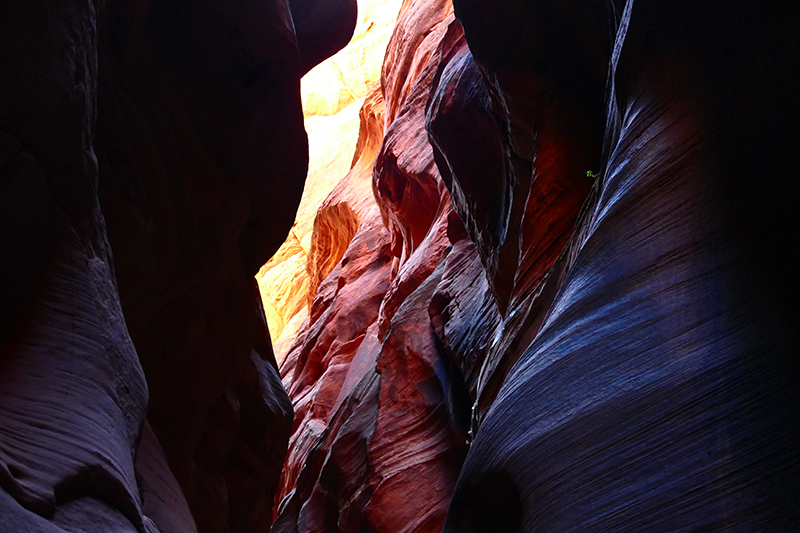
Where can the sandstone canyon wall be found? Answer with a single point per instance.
(553, 288)
(333, 94)
(583, 265)
(152, 155)
(659, 393)
(373, 447)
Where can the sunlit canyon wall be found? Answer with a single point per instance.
(552, 288)
(333, 93)
(564, 256)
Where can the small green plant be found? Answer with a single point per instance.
(590, 174)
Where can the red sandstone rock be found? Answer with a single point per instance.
(519, 81)
(639, 373)
(374, 444)
(333, 92)
(565, 340)
(346, 303)
(514, 135)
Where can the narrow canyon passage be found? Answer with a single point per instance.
(399, 266)
(360, 298)
(398, 322)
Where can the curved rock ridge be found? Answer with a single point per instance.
(513, 138)
(552, 290)
(138, 388)
(342, 311)
(284, 281)
(72, 392)
(513, 135)
(654, 388)
(527, 99)
(439, 339)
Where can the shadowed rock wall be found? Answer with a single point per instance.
(655, 388)
(173, 131)
(567, 232)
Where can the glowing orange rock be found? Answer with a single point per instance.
(333, 94)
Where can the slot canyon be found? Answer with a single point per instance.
(399, 266)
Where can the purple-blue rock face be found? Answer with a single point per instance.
(72, 393)
(661, 392)
(138, 389)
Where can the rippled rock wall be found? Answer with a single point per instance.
(373, 447)
(653, 381)
(575, 269)
(152, 157)
(551, 285)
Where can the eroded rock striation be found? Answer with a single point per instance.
(652, 388)
(373, 445)
(549, 286)
(333, 94)
(586, 281)
(152, 155)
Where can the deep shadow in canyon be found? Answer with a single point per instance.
(555, 291)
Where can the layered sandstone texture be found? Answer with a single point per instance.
(152, 156)
(373, 444)
(554, 288)
(654, 377)
(382, 382)
(333, 94)
(583, 265)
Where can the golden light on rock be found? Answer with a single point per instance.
(333, 93)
